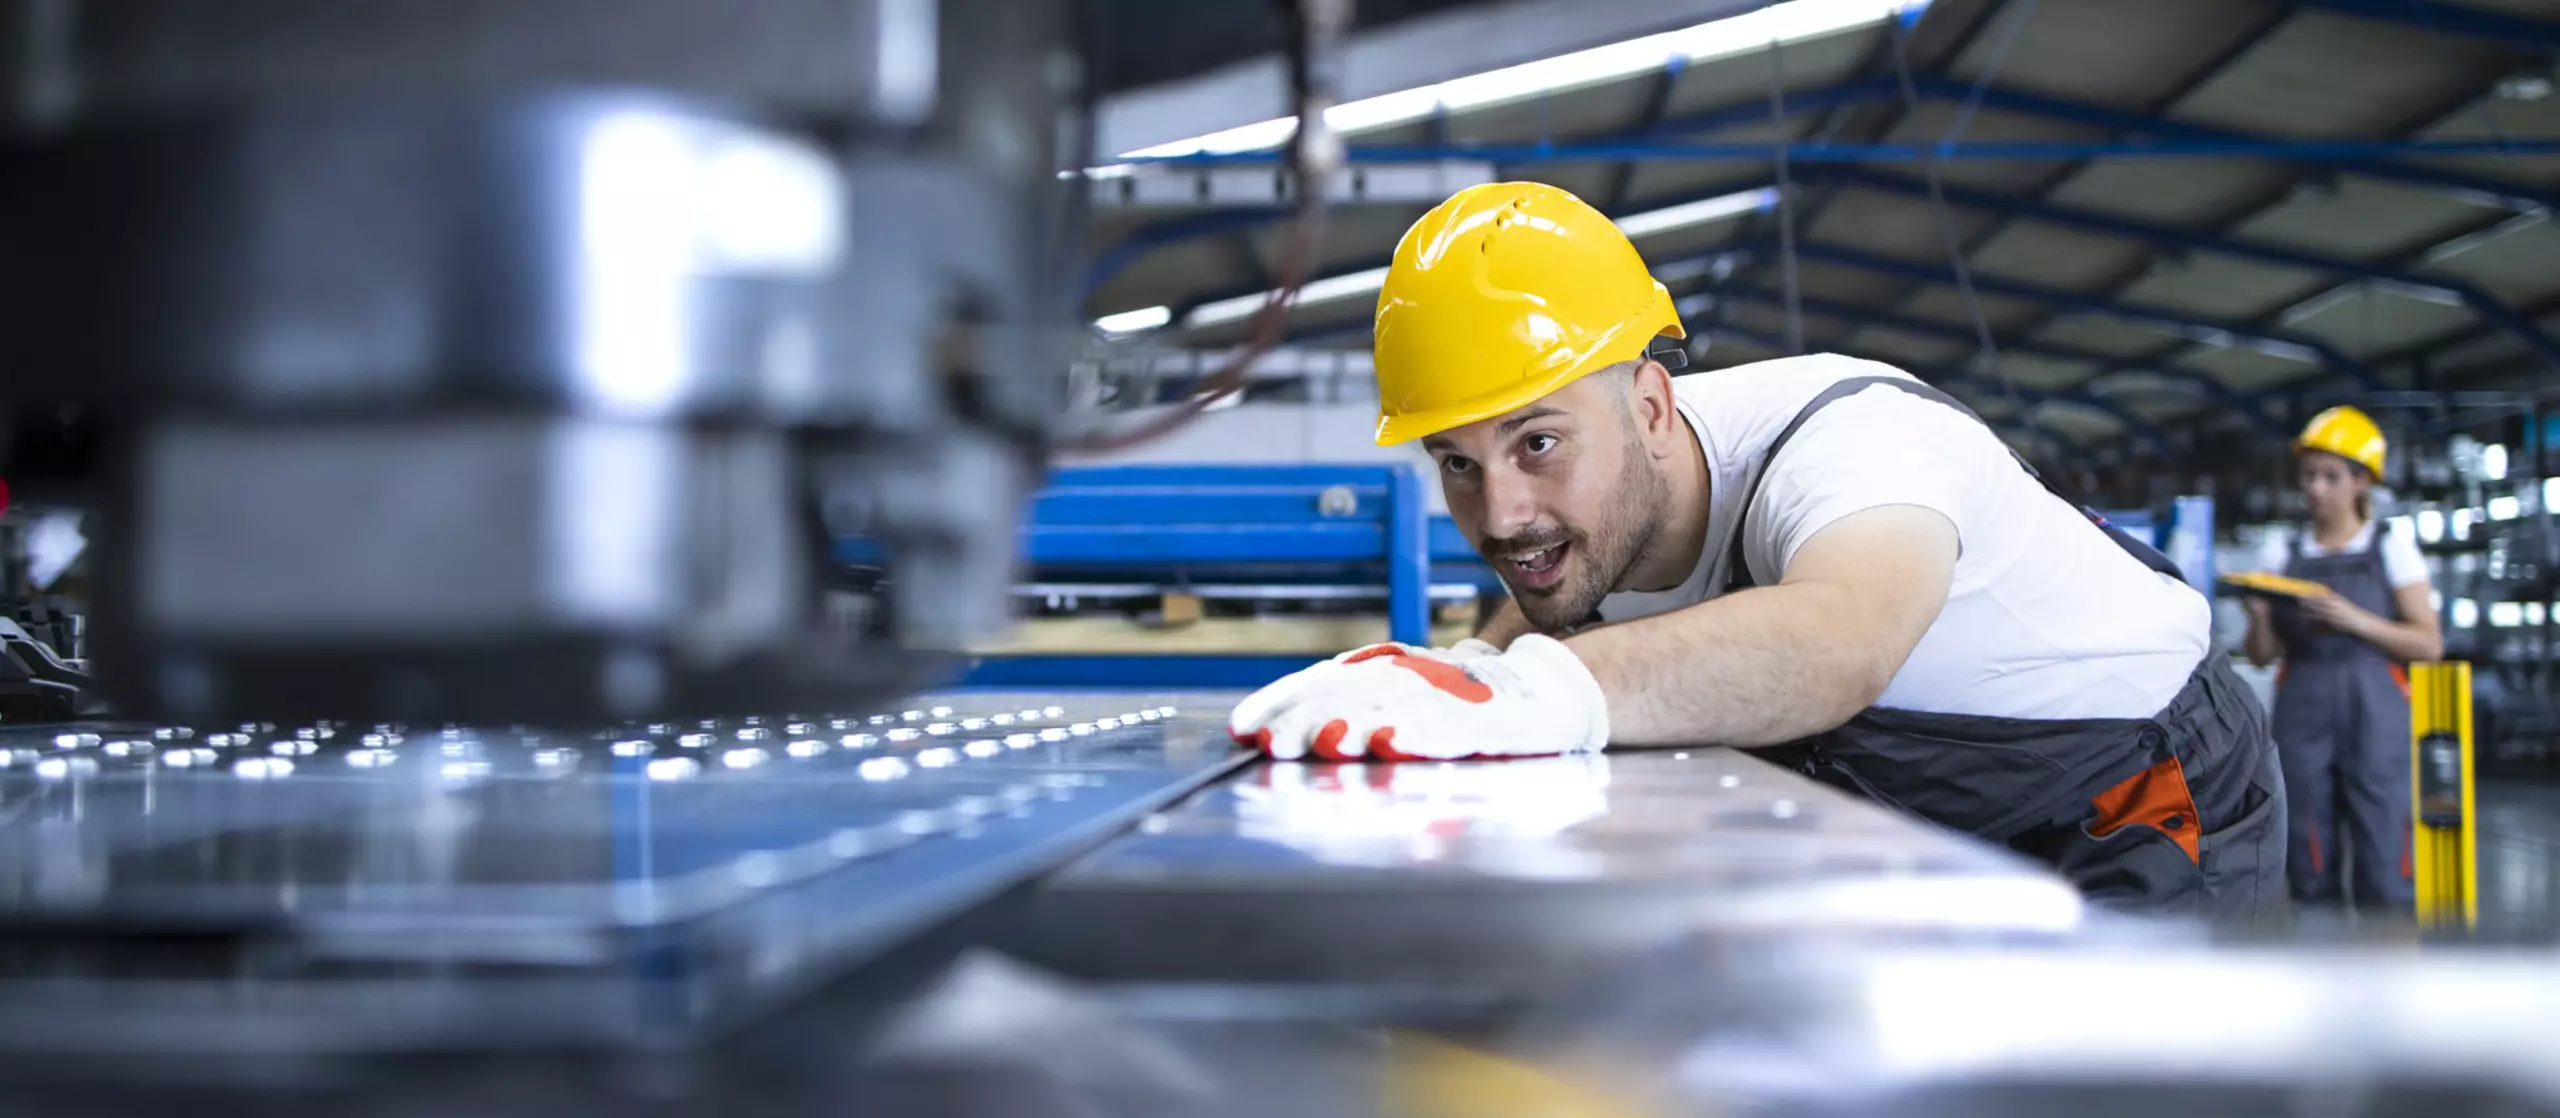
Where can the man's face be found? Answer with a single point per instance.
(1560, 496)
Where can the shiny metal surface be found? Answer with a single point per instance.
(357, 886)
(1805, 1029)
(1483, 870)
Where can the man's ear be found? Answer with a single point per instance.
(1651, 396)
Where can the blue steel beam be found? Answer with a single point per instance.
(1891, 57)
(2207, 69)
(1657, 107)
(2481, 303)
(2124, 417)
(2165, 138)
(2193, 327)
(2454, 20)
(2368, 157)
(2162, 129)
(1128, 250)
(2108, 365)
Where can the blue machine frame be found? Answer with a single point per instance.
(1198, 522)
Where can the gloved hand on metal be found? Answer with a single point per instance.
(1287, 685)
(1467, 649)
(1394, 704)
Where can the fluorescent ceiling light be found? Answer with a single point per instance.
(2493, 462)
(1131, 322)
(1699, 212)
(2466, 613)
(1313, 291)
(1777, 24)
(2505, 508)
(1683, 215)
(2506, 615)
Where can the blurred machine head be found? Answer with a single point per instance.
(484, 360)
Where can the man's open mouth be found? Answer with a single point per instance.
(1536, 569)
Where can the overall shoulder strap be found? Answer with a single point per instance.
(1738, 574)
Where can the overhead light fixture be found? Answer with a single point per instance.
(1330, 288)
(1313, 291)
(2430, 526)
(2493, 463)
(1699, 212)
(2505, 508)
(1775, 25)
(2466, 613)
(1133, 322)
(2506, 615)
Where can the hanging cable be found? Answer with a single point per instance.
(1316, 30)
(1789, 284)
(1987, 345)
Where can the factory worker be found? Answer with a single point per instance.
(1818, 557)
(2342, 698)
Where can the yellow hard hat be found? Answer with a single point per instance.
(2347, 433)
(1501, 295)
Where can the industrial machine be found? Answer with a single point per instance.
(505, 361)
(472, 410)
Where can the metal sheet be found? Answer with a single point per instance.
(344, 886)
(1473, 871)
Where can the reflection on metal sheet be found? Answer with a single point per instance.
(646, 864)
(1388, 815)
(1487, 872)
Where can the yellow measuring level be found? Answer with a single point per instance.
(2444, 850)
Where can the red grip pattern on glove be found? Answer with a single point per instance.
(1447, 677)
(1328, 743)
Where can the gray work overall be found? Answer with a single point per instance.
(2180, 812)
(2342, 729)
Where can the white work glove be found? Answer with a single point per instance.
(1464, 650)
(1397, 705)
(1287, 685)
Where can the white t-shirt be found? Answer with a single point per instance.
(2401, 562)
(2047, 617)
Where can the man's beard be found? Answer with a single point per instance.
(1624, 535)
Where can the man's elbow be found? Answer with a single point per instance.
(1860, 683)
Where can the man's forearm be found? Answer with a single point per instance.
(1755, 668)
(1504, 625)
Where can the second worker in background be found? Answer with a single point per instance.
(1820, 558)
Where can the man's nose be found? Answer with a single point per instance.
(1510, 505)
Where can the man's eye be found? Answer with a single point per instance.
(1538, 444)
(1456, 465)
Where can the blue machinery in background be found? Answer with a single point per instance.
(2186, 537)
(1336, 525)
(1181, 525)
